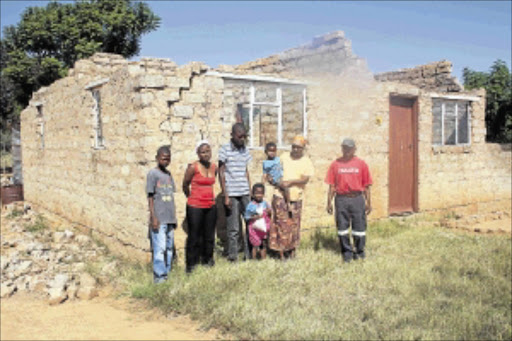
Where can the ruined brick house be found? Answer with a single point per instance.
(89, 139)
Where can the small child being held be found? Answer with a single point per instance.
(258, 214)
(273, 172)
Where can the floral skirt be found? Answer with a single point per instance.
(285, 231)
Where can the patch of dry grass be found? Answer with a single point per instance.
(417, 283)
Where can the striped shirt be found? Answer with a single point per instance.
(236, 161)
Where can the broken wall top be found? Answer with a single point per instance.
(327, 55)
(434, 76)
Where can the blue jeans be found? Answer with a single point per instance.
(162, 243)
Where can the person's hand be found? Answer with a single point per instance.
(368, 208)
(227, 202)
(329, 208)
(155, 225)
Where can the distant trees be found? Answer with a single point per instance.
(498, 112)
(48, 40)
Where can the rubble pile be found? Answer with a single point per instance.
(35, 258)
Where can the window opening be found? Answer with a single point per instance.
(97, 123)
(40, 124)
(272, 112)
(451, 122)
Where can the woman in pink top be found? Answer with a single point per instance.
(198, 185)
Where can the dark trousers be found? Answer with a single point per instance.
(201, 236)
(234, 230)
(351, 211)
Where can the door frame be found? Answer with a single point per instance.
(415, 142)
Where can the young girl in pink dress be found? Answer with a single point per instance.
(258, 214)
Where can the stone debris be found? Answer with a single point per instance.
(472, 222)
(45, 262)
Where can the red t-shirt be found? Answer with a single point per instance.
(348, 176)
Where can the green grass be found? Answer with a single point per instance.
(39, 224)
(416, 283)
(14, 214)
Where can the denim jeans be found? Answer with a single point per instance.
(162, 243)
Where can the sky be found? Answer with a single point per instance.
(389, 35)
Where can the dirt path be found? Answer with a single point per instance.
(26, 317)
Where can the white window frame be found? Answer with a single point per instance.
(457, 99)
(278, 103)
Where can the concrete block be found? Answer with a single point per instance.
(184, 111)
(178, 82)
(150, 81)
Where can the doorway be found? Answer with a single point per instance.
(403, 155)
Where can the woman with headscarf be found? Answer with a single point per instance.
(201, 213)
(284, 234)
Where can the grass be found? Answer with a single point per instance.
(39, 224)
(14, 214)
(416, 283)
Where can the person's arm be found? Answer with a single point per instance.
(251, 213)
(330, 196)
(248, 177)
(187, 179)
(368, 201)
(298, 182)
(154, 221)
(222, 180)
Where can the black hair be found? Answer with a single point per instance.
(270, 145)
(258, 185)
(163, 150)
(237, 127)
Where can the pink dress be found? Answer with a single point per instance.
(256, 236)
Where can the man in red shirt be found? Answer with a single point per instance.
(349, 178)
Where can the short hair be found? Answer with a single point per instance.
(270, 145)
(237, 127)
(258, 185)
(163, 150)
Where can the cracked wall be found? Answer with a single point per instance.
(152, 102)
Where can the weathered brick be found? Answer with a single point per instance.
(184, 111)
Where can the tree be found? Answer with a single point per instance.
(498, 112)
(49, 40)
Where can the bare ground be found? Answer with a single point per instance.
(27, 317)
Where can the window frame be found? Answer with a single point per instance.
(95, 88)
(278, 103)
(468, 100)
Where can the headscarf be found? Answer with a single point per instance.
(299, 140)
(200, 143)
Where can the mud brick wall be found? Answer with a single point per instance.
(152, 102)
(433, 76)
(144, 105)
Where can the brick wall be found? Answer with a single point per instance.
(153, 102)
(433, 76)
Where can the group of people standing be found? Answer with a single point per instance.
(274, 226)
